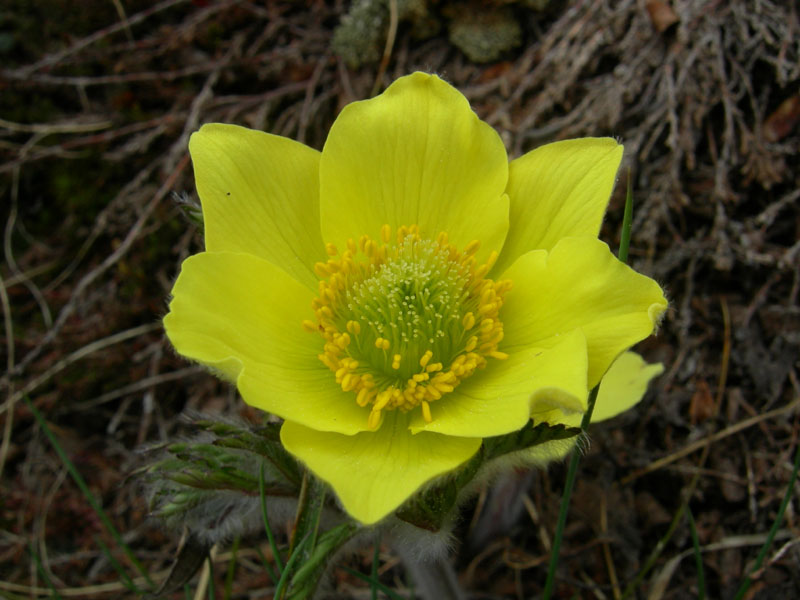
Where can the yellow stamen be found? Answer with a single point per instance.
(471, 343)
(364, 295)
(362, 398)
(382, 399)
(468, 321)
(321, 269)
(487, 308)
(374, 419)
(472, 247)
(426, 411)
(425, 358)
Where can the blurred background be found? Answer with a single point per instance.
(97, 101)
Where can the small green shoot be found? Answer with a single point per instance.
(627, 223)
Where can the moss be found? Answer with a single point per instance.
(484, 35)
(361, 36)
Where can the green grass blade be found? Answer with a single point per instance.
(231, 569)
(298, 552)
(270, 571)
(76, 476)
(126, 580)
(374, 582)
(42, 573)
(775, 526)
(627, 223)
(698, 557)
(653, 557)
(564, 508)
(270, 537)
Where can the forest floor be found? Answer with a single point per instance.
(96, 106)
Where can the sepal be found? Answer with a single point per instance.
(431, 508)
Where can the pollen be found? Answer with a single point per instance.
(404, 319)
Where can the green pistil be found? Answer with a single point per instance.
(416, 301)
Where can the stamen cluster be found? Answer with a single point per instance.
(405, 319)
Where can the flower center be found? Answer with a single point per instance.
(405, 320)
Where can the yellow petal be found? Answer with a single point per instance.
(241, 316)
(624, 385)
(556, 191)
(373, 473)
(260, 195)
(416, 154)
(580, 284)
(544, 383)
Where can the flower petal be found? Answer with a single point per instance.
(532, 382)
(580, 284)
(416, 154)
(375, 472)
(624, 385)
(260, 195)
(556, 191)
(241, 316)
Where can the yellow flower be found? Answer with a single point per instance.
(406, 292)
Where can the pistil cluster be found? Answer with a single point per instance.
(405, 319)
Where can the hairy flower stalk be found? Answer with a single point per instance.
(412, 305)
